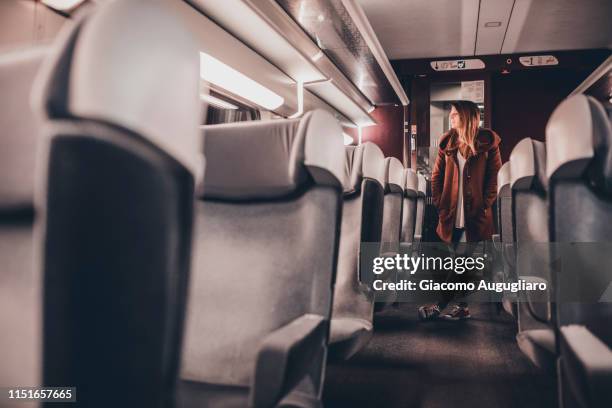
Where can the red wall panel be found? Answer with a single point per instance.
(388, 134)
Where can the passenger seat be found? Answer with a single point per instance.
(504, 241)
(392, 222)
(579, 169)
(529, 201)
(392, 214)
(362, 212)
(409, 209)
(266, 246)
(20, 280)
(409, 214)
(120, 95)
(420, 214)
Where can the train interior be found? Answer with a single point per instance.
(189, 188)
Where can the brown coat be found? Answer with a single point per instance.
(479, 185)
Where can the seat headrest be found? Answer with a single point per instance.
(411, 188)
(267, 159)
(422, 186)
(528, 162)
(503, 176)
(364, 161)
(394, 175)
(20, 128)
(131, 64)
(373, 166)
(578, 134)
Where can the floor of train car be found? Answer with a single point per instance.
(474, 363)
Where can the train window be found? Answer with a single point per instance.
(232, 96)
(222, 109)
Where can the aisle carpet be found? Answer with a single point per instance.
(468, 364)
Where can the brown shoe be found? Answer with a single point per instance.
(458, 313)
(428, 312)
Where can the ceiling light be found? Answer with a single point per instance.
(347, 139)
(492, 24)
(317, 56)
(62, 5)
(226, 77)
(219, 103)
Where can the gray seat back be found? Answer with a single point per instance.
(392, 212)
(504, 204)
(409, 209)
(530, 221)
(20, 300)
(420, 214)
(267, 231)
(362, 212)
(579, 168)
(504, 215)
(120, 95)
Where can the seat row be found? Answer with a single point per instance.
(555, 218)
(140, 249)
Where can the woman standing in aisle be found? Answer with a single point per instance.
(464, 188)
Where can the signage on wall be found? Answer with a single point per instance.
(413, 134)
(457, 65)
(538, 60)
(472, 91)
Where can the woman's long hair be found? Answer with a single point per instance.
(469, 114)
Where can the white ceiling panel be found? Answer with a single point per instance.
(492, 23)
(444, 28)
(547, 25)
(424, 28)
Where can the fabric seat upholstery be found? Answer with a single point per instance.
(579, 171)
(117, 191)
(392, 212)
(362, 208)
(20, 280)
(529, 202)
(505, 245)
(265, 256)
(409, 209)
(391, 223)
(420, 214)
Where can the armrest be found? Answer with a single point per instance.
(366, 291)
(508, 254)
(416, 244)
(406, 248)
(496, 242)
(389, 274)
(587, 363)
(538, 302)
(284, 358)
